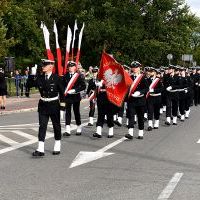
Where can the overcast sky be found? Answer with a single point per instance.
(195, 6)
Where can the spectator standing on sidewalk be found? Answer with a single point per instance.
(17, 82)
(3, 89)
(24, 86)
(27, 89)
(89, 74)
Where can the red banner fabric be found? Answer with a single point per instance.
(116, 79)
(50, 56)
(59, 61)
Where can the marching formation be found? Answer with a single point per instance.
(152, 92)
(141, 93)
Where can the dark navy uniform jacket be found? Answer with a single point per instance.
(78, 87)
(50, 88)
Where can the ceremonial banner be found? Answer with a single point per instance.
(116, 79)
(74, 36)
(153, 85)
(46, 39)
(58, 51)
(79, 44)
(68, 44)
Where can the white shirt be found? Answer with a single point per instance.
(49, 74)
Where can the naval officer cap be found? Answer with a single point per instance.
(71, 64)
(95, 69)
(47, 62)
(135, 64)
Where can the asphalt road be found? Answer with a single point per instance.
(165, 165)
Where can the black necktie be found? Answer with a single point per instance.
(46, 77)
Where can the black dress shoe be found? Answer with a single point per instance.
(3, 107)
(118, 123)
(37, 154)
(186, 117)
(167, 123)
(155, 127)
(66, 134)
(130, 137)
(89, 124)
(97, 135)
(149, 128)
(175, 124)
(78, 133)
(110, 136)
(140, 137)
(56, 152)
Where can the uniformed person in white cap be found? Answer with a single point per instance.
(73, 97)
(137, 101)
(91, 92)
(52, 92)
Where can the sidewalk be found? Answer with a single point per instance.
(22, 104)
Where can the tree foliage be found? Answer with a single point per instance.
(144, 30)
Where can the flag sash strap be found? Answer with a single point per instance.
(135, 84)
(71, 83)
(153, 85)
(92, 96)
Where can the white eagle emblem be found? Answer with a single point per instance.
(111, 78)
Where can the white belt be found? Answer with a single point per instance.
(155, 95)
(182, 90)
(139, 96)
(173, 91)
(49, 99)
(102, 90)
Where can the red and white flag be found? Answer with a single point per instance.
(46, 39)
(79, 44)
(71, 83)
(153, 85)
(58, 51)
(68, 44)
(74, 36)
(117, 80)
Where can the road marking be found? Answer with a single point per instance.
(15, 145)
(170, 187)
(23, 134)
(85, 156)
(7, 140)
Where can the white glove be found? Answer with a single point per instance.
(99, 84)
(169, 88)
(199, 84)
(72, 91)
(62, 113)
(151, 90)
(136, 94)
(186, 91)
(196, 84)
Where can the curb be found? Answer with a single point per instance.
(18, 111)
(26, 109)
